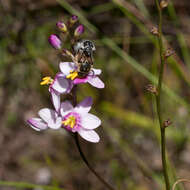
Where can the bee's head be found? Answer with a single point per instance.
(84, 45)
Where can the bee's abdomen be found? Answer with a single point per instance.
(84, 69)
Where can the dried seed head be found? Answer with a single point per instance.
(167, 123)
(151, 88)
(154, 31)
(163, 4)
(168, 53)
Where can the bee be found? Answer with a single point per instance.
(83, 52)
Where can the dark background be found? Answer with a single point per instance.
(128, 155)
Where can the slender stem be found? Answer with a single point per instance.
(74, 94)
(158, 98)
(88, 165)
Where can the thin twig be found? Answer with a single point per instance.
(158, 99)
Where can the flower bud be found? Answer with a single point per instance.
(73, 19)
(61, 26)
(54, 41)
(79, 30)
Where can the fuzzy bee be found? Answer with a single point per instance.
(83, 52)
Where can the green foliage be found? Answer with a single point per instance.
(127, 53)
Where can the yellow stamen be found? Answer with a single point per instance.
(46, 80)
(72, 75)
(70, 121)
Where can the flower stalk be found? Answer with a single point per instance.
(75, 135)
(158, 99)
(88, 165)
(73, 117)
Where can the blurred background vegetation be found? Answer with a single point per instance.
(128, 155)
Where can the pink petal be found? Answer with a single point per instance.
(55, 124)
(65, 108)
(48, 115)
(55, 99)
(80, 80)
(84, 106)
(70, 86)
(90, 121)
(96, 71)
(66, 67)
(95, 81)
(37, 124)
(89, 135)
(60, 83)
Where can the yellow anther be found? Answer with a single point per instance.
(72, 75)
(46, 80)
(70, 121)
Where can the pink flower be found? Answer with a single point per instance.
(74, 119)
(92, 78)
(59, 85)
(77, 119)
(48, 119)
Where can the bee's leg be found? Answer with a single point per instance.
(78, 66)
(78, 57)
(68, 53)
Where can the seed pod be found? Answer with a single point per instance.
(168, 53)
(152, 89)
(154, 31)
(163, 4)
(167, 123)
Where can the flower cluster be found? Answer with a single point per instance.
(73, 118)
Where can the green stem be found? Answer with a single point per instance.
(25, 185)
(158, 98)
(88, 165)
